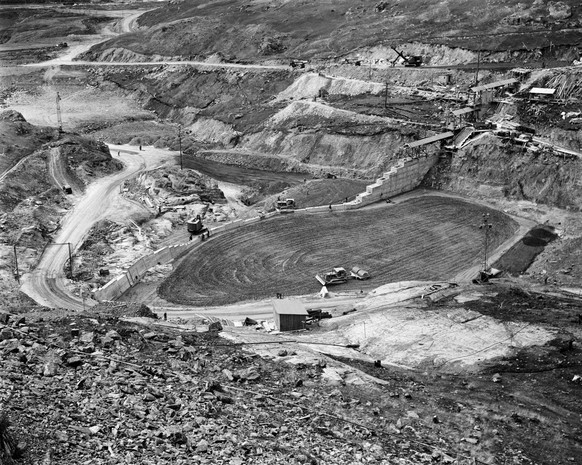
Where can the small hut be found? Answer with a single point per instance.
(289, 314)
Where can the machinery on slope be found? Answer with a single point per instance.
(359, 273)
(409, 60)
(339, 275)
(285, 206)
(195, 226)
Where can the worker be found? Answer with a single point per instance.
(330, 207)
(140, 146)
(165, 316)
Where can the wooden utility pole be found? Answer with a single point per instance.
(486, 227)
(180, 143)
(59, 119)
(16, 271)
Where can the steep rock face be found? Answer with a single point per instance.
(366, 155)
(492, 168)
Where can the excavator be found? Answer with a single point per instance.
(409, 61)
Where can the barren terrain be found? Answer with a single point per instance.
(394, 243)
(220, 110)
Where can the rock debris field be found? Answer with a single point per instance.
(97, 390)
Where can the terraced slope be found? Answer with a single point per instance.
(424, 238)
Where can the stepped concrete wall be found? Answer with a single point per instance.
(405, 176)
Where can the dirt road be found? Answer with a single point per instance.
(46, 285)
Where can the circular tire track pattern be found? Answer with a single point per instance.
(426, 238)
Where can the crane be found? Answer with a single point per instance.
(59, 113)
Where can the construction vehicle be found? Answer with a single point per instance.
(359, 273)
(195, 225)
(338, 275)
(316, 314)
(409, 60)
(285, 206)
(298, 63)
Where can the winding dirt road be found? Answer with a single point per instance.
(47, 284)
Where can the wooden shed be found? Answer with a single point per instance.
(289, 314)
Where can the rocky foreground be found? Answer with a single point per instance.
(95, 389)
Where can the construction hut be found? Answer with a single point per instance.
(541, 93)
(289, 314)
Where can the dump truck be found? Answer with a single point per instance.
(359, 273)
(338, 275)
(195, 225)
(285, 205)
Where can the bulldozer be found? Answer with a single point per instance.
(338, 275)
(285, 206)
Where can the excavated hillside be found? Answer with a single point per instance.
(259, 31)
(512, 172)
(32, 198)
(546, 170)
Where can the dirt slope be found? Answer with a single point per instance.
(18, 138)
(279, 29)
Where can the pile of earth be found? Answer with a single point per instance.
(18, 138)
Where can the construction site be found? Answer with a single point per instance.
(265, 232)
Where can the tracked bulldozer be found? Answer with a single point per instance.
(338, 275)
(286, 206)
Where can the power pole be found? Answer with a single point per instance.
(386, 96)
(180, 142)
(59, 113)
(478, 65)
(486, 227)
(70, 260)
(16, 271)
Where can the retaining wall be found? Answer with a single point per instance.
(405, 176)
(117, 286)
